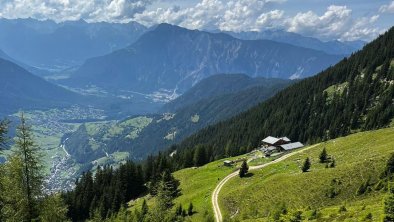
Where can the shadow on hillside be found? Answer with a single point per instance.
(249, 175)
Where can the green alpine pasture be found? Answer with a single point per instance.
(322, 194)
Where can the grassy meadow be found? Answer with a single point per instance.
(321, 192)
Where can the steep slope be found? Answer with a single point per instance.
(356, 94)
(142, 136)
(174, 59)
(20, 89)
(58, 45)
(218, 85)
(331, 47)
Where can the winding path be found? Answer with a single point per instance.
(215, 194)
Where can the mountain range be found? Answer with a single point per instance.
(55, 46)
(334, 47)
(175, 59)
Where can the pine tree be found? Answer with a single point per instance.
(244, 169)
(307, 165)
(323, 156)
(190, 209)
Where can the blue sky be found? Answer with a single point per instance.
(324, 19)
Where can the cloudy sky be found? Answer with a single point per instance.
(327, 20)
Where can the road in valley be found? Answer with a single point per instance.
(216, 191)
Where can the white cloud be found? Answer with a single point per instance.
(229, 15)
(336, 23)
(61, 10)
(387, 8)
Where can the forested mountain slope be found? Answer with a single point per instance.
(218, 85)
(356, 94)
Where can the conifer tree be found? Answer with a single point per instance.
(179, 210)
(190, 209)
(390, 167)
(333, 163)
(323, 156)
(53, 209)
(244, 169)
(3, 133)
(12, 194)
(389, 205)
(32, 175)
(167, 190)
(199, 156)
(307, 165)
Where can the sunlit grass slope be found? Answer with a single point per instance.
(359, 157)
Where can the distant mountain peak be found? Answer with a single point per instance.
(173, 58)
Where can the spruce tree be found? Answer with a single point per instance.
(323, 156)
(244, 169)
(199, 156)
(389, 205)
(167, 190)
(307, 165)
(179, 210)
(3, 133)
(390, 167)
(190, 209)
(333, 163)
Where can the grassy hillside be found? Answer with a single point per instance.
(256, 198)
(359, 157)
